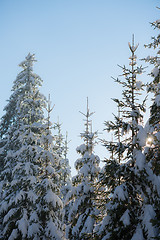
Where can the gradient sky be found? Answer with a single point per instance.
(78, 44)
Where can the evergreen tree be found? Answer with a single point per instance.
(83, 192)
(154, 87)
(64, 168)
(20, 168)
(66, 183)
(65, 172)
(22, 165)
(128, 213)
(116, 149)
(153, 148)
(48, 213)
(58, 138)
(110, 176)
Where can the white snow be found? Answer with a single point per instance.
(125, 218)
(17, 167)
(19, 196)
(89, 224)
(32, 179)
(142, 135)
(86, 188)
(157, 100)
(32, 196)
(33, 229)
(149, 214)
(139, 85)
(50, 169)
(34, 216)
(23, 224)
(85, 170)
(155, 71)
(140, 160)
(52, 231)
(51, 197)
(10, 213)
(28, 168)
(81, 149)
(13, 235)
(138, 235)
(120, 193)
(3, 206)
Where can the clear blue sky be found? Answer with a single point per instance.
(78, 44)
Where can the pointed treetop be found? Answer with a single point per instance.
(66, 145)
(58, 124)
(88, 135)
(49, 108)
(87, 115)
(133, 48)
(28, 62)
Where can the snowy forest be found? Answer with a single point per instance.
(40, 200)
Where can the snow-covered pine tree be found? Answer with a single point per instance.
(116, 147)
(65, 171)
(9, 145)
(58, 136)
(82, 194)
(67, 182)
(153, 147)
(10, 119)
(64, 168)
(48, 214)
(154, 87)
(127, 212)
(22, 164)
(2, 157)
(8, 125)
(110, 176)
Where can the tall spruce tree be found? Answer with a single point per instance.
(128, 213)
(154, 87)
(67, 182)
(65, 172)
(83, 192)
(64, 168)
(116, 148)
(10, 120)
(20, 167)
(110, 176)
(48, 214)
(153, 147)
(22, 164)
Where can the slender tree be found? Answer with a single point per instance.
(116, 147)
(127, 206)
(63, 169)
(48, 212)
(153, 147)
(83, 191)
(65, 172)
(110, 176)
